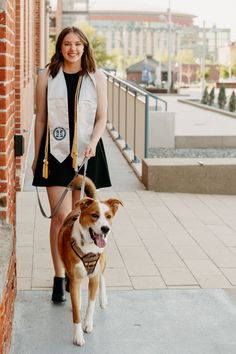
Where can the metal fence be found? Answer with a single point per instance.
(128, 113)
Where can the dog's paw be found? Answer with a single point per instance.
(78, 335)
(103, 302)
(88, 326)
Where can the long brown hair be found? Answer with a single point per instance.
(87, 60)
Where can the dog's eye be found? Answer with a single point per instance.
(95, 216)
(108, 216)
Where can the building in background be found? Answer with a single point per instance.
(73, 11)
(139, 33)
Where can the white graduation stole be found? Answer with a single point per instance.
(58, 118)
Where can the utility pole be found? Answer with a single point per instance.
(203, 67)
(169, 47)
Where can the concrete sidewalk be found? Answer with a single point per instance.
(159, 242)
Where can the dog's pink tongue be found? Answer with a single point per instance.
(100, 242)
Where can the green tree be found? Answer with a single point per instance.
(211, 97)
(224, 72)
(98, 44)
(222, 99)
(205, 96)
(232, 102)
(186, 56)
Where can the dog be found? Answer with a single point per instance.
(81, 243)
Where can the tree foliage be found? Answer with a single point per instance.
(224, 72)
(211, 97)
(98, 44)
(222, 99)
(232, 102)
(205, 96)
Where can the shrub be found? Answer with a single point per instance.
(205, 96)
(232, 102)
(211, 97)
(222, 99)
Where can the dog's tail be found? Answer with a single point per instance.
(90, 189)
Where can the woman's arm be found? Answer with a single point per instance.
(101, 114)
(41, 113)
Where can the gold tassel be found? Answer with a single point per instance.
(74, 152)
(45, 161)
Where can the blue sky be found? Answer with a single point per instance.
(221, 13)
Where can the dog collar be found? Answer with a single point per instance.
(89, 260)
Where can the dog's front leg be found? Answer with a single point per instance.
(75, 300)
(88, 321)
(102, 292)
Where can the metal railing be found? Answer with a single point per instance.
(128, 113)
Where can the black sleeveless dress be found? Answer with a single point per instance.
(60, 174)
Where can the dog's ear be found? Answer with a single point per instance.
(114, 204)
(84, 203)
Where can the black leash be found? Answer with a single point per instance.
(85, 164)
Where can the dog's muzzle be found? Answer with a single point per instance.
(98, 239)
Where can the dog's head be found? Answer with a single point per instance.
(96, 219)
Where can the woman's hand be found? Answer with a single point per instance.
(90, 150)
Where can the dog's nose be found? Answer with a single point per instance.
(105, 229)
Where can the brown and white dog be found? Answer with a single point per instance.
(82, 240)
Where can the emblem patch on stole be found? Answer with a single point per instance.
(59, 133)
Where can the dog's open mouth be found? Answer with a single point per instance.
(98, 239)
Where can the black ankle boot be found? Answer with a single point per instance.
(58, 291)
(67, 281)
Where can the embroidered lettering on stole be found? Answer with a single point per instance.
(58, 116)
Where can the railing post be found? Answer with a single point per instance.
(146, 126)
(119, 136)
(126, 117)
(113, 83)
(135, 160)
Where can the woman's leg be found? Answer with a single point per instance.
(54, 194)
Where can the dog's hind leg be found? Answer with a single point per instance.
(102, 292)
(75, 285)
(93, 287)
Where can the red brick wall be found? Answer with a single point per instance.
(7, 115)
(19, 58)
(37, 34)
(25, 77)
(7, 160)
(7, 308)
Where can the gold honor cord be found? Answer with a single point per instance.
(74, 146)
(45, 161)
(74, 152)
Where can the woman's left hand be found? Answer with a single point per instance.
(90, 150)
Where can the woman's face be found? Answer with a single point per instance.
(72, 48)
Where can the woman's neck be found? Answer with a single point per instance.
(72, 68)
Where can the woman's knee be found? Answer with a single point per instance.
(59, 218)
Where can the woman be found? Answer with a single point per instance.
(71, 118)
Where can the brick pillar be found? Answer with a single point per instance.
(7, 172)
